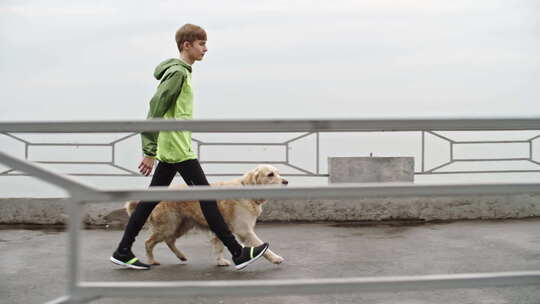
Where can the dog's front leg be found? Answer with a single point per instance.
(218, 249)
(249, 238)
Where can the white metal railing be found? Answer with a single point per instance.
(285, 155)
(80, 292)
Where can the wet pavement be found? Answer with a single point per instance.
(33, 260)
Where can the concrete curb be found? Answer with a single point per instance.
(52, 211)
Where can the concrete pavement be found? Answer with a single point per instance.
(32, 268)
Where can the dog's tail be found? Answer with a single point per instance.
(130, 206)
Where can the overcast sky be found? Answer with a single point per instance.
(93, 60)
(274, 59)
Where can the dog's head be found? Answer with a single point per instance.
(263, 175)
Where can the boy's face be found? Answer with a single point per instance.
(196, 50)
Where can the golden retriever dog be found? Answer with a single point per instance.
(170, 220)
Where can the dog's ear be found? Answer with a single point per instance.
(260, 201)
(250, 178)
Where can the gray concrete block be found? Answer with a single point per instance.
(54, 211)
(51, 211)
(370, 169)
(404, 208)
(32, 211)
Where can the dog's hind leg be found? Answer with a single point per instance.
(171, 243)
(150, 243)
(218, 249)
(182, 227)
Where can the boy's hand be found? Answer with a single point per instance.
(146, 166)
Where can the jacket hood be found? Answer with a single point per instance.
(165, 65)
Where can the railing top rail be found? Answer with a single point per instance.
(275, 125)
(333, 191)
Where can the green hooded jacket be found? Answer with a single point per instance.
(172, 100)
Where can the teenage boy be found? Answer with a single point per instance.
(174, 100)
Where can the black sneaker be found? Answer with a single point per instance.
(128, 260)
(249, 255)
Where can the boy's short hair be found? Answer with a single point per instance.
(189, 32)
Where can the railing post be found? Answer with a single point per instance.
(74, 208)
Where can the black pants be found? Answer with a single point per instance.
(192, 173)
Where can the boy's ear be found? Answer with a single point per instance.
(185, 44)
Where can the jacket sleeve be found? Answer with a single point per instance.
(166, 94)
